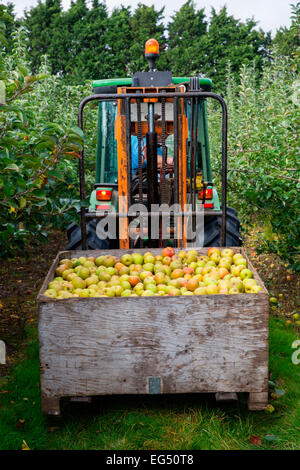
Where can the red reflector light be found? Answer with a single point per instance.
(103, 195)
(102, 207)
(208, 194)
(209, 205)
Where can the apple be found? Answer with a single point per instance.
(236, 256)
(83, 272)
(188, 270)
(104, 276)
(224, 284)
(66, 261)
(71, 276)
(174, 291)
(92, 280)
(152, 287)
(183, 282)
(109, 291)
(168, 252)
(201, 263)
(119, 265)
(223, 290)
(233, 290)
(149, 258)
(88, 264)
(177, 273)
(200, 291)
(182, 255)
(133, 280)
(211, 263)
(255, 289)
(137, 258)
(215, 257)
(82, 259)
(207, 279)
(192, 284)
(236, 270)
(60, 269)
(188, 293)
(227, 252)
(158, 259)
(175, 265)
(225, 263)
(240, 261)
(223, 272)
(160, 278)
(126, 293)
(246, 274)
(125, 285)
(84, 293)
(147, 293)
(145, 274)
(67, 272)
(237, 283)
(50, 293)
(124, 270)
(126, 259)
(212, 250)
(148, 267)
(212, 289)
(110, 270)
(138, 287)
(78, 283)
(167, 260)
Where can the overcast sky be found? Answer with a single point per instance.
(270, 14)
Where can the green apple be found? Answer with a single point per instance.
(148, 267)
(92, 280)
(212, 289)
(149, 258)
(78, 283)
(137, 258)
(99, 260)
(147, 293)
(241, 261)
(200, 291)
(104, 276)
(227, 253)
(233, 290)
(246, 274)
(125, 285)
(126, 293)
(83, 272)
(50, 293)
(237, 283)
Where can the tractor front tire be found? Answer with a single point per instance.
(212, 229)
(92, 241)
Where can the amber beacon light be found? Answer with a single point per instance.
(151, 48)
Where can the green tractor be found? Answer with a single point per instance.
(152, 153)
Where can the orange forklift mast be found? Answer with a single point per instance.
(161, 128)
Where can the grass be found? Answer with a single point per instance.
(152, 422)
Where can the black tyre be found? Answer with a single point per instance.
(93, 242)
(212, 231)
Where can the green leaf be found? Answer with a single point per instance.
(12, 167)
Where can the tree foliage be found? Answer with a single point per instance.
(34, 152)
(87, 43)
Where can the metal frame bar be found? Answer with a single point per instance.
(175, 96)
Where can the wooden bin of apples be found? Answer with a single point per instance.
(165, 321)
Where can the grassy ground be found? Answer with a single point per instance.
(163, 422)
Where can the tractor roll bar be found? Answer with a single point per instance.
(128, 97)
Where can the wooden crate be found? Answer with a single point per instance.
(141, 345)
